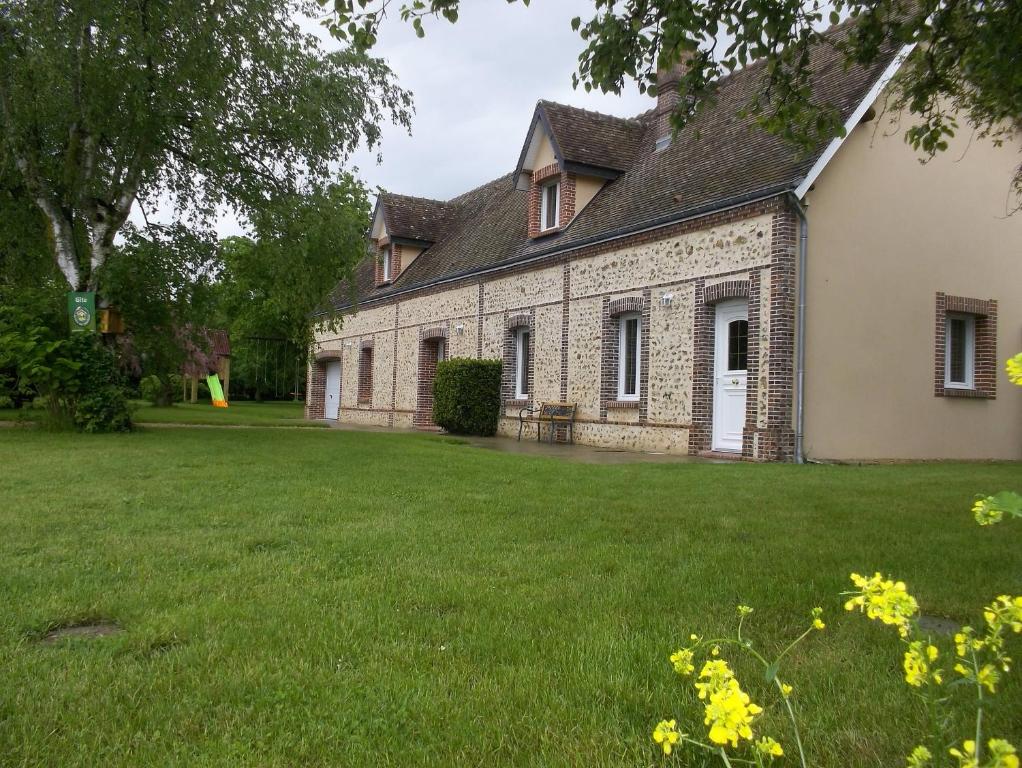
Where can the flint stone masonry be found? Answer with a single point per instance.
(728, 248)
(569, 299)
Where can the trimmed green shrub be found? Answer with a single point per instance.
(466, 396)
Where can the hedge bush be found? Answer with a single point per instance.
(466, 396)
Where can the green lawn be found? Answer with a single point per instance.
(332, 598)
(241, 413)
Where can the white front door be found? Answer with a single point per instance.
(731, 355)
(332, 395)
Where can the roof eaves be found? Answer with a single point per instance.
(693, 213)
(853, 120)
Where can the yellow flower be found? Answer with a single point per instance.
(729, 714)
(918, 662)
(920, 757)
(988, 677)
(666, 735)
(966, 755)
(986, 512)
(1014, 369)
(818, 618)
(744, 610)
(1004, 612)
(786, 690)
(769, 747)
(682, 661)
(717, 673)
(884, 600)
(715, 651)
(1002, 754)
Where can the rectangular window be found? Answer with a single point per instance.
(549, 216)
(628, 351)
(522, 364)
(960, 351)
(386, 265)
(441, 350)
(738, 345)
(365, 376)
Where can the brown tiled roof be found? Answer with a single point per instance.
(719, 158)
(591, 138)
(219, 342)
(416, 218)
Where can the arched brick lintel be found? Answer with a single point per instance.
(325, 355)
(522, 320)
(627, 304)
(436, 332)
(729, 289)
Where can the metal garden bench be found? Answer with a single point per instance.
(554, 414)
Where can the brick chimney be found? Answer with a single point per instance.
(667, 97)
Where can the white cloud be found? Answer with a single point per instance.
(475, 85)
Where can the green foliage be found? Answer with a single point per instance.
(77, 376)
(160, 281)
(304, 245)
(966, 59)
(105, 102)
(466, 396)
(161, 391)
(97, 402)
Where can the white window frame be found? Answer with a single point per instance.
(386, 264)
(521, 363)
(622, 322)
(970, 351)
(441, 349)
(543, 208)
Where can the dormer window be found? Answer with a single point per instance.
(549, 213)
(385, 257)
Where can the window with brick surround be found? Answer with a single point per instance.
(522, 336)
(385, 257)
(549, 205)
(965, 362)
(365, 376)
(960, 351)
(628, 352)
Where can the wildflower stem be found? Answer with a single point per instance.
(979, 709)
(794, 723)
(794, 642)
(723, 756)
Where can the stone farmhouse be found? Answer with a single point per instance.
(713, 291)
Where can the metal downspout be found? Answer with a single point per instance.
(800, 333)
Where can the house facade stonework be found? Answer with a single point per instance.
(567, 302)
(711, 292)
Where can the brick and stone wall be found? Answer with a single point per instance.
(672, 277)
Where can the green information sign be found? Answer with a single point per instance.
(81, 311)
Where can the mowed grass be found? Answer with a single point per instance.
(241, 413)
(332, 598)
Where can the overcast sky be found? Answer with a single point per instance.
(475, 85)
